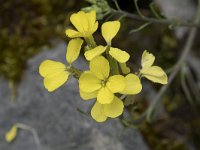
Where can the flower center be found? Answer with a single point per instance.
(103, 83)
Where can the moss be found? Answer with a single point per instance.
(27, 26)
(177, 128)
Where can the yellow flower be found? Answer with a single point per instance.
(100, 112)
(109, 31)
(85, 23)
(56, 73)
(97, 83)
(153, 73)
(11, 134)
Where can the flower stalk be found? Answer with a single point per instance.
(90, 42)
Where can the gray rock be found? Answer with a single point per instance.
(55, 117)
(178, 10)
(183, 10)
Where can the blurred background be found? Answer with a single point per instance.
(32, 31)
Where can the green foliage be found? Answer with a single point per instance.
(26, 26)
(101, 7)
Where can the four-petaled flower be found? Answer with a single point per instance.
(98, 83)
(153, 73)
(100, 112)
(109, 31)
(85, 23)
(56, 73)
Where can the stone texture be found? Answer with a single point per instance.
(178, 10)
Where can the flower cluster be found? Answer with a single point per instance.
(108, 76)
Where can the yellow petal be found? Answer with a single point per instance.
(147, 59)
(88, 95)
(85, 23)
(100, 67)
(125, 69)
(119, 55)
(88, 82)
(116, 83)
(73, 49)
(92, 24)
(80, 21)
(54, 73)
(105, 96)
(90, 54)
(73, 34)
(49, 67)
(109, 30)
(133, 85)
(155, 74)
(95, 27)
(97, 112)
(11, 134)
(114, 109)
(55, 80)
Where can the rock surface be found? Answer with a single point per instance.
(55, 117)
(178, 10)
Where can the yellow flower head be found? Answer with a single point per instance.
(97, 83)
(85, 23)
(109, 31)
(100, 112)
(153, 73)
(56, 73)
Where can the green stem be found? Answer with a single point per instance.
(138, 10)
(75, 72)
(115, 67)
(90, 42)
(113, 63)
(153, 10)
(117, 5)
(155, 20)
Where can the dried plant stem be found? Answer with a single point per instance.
(34, 133)
(186, 50)
(155, 20)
